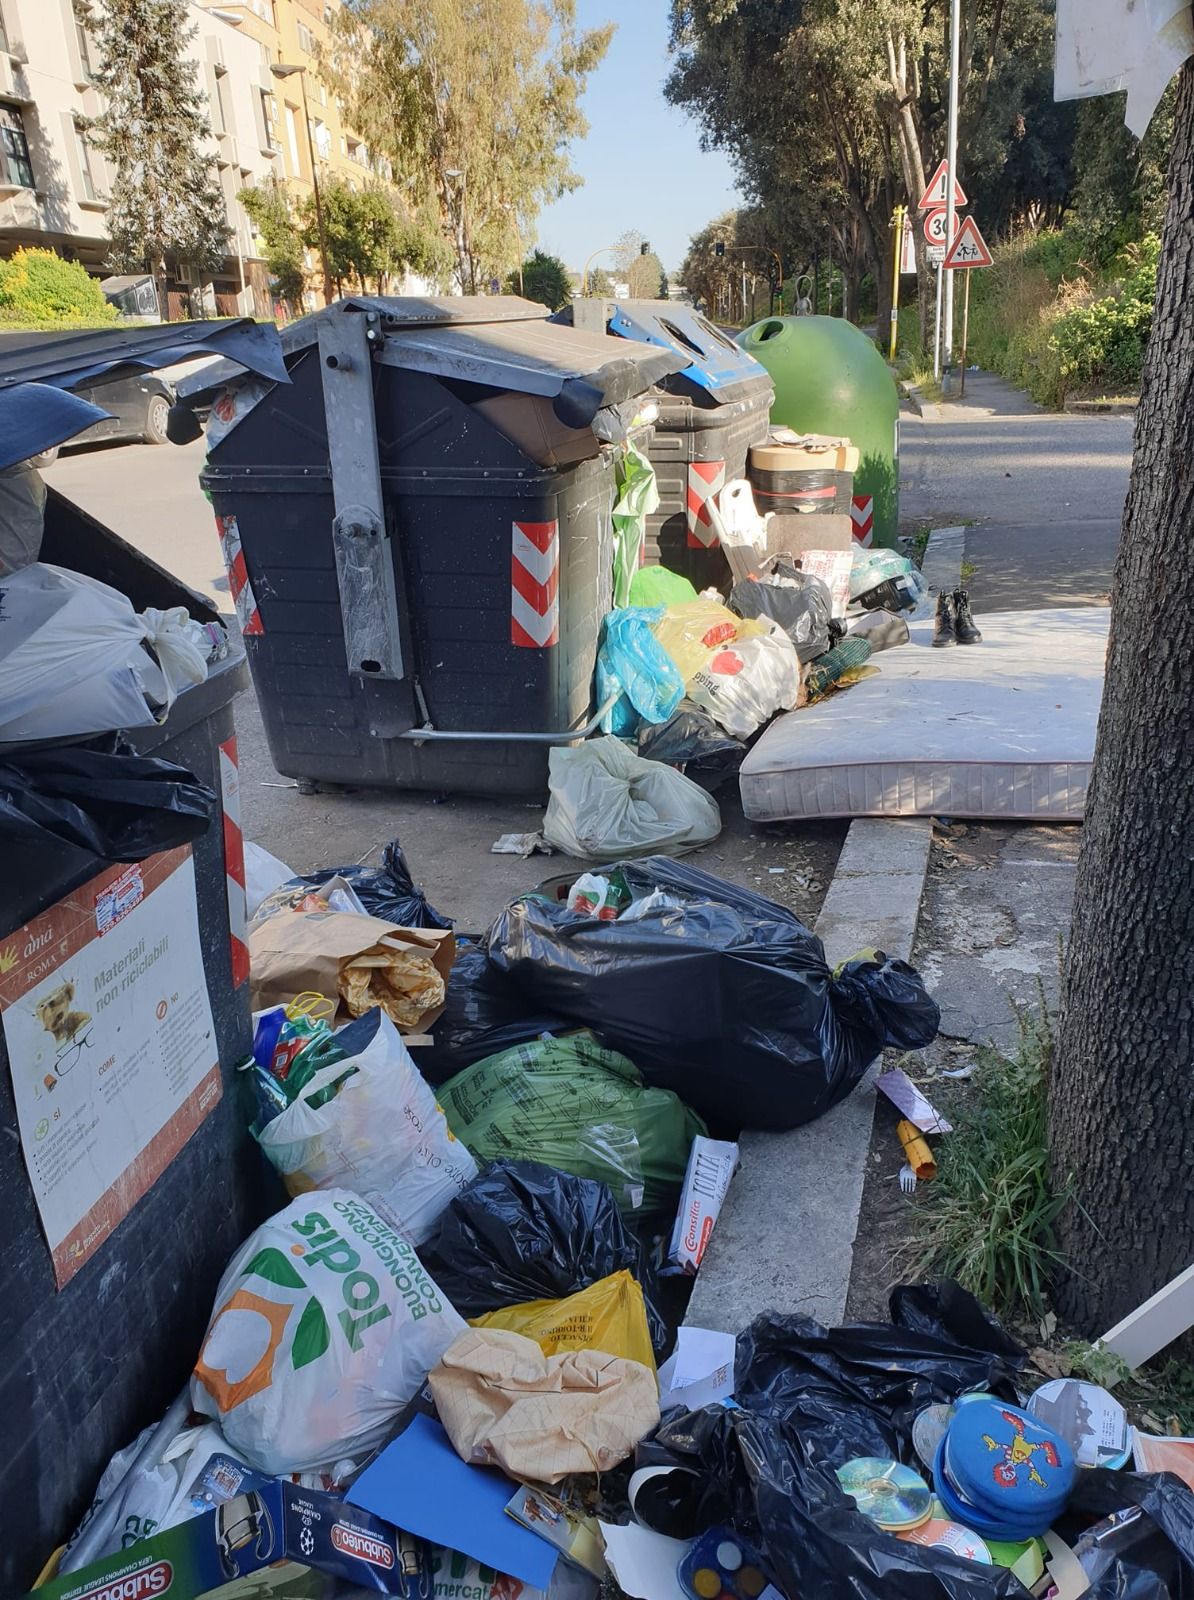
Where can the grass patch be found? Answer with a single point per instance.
(989, 1218)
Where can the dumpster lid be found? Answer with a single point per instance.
(504, 342)
(712, 360)
(37, 368)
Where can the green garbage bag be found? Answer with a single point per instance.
(572, 1104)
(638, 496)
(660, 586)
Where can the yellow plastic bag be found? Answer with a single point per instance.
(696, 630)
(609, 1315)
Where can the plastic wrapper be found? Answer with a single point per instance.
(22, 516)
(387, 891)
(484, 1014)
(727, 999)
(607, 803)
(524, 1231)
(692, 631)
(801, 605)
(632, 661)
(574, 1105)
(325, 1325)
(692, 741)
(116, 805)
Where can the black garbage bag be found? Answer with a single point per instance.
(692, 740)
(484, 1014)
(1142, 1546)
(856, 1390)
(525, 1231)
(387, 891)
(802, 606)
(726, 999)
(112, 803)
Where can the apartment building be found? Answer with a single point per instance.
(269, 110)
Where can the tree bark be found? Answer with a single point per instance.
(1121, 1107)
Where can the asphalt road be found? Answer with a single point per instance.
(1045, 493)
(150, 495)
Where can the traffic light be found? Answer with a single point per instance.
(644, 249)
(719, 248)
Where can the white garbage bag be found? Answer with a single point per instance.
(263, 874)
(325, 1325)
(607, 803)
(382, 1134)
(744, 683)
(74, 657)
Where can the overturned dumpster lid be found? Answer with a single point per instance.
(506, 343)
(33, 361)
(712, 361)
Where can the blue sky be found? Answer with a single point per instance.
(641, 159)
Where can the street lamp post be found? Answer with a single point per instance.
(283, 69)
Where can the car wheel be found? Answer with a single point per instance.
(156, 413)
(47, 458)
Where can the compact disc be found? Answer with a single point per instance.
(950, 1536)
(892, 1495)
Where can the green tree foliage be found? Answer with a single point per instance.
(834, 110)
(600, 282)
(165, 203)
(38, 287)
(268, 206)
(544, 278)
(474, 102)
(1119, 190)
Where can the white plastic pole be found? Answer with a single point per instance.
(955, 19)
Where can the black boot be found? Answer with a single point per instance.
(944, 627)
(964, 625)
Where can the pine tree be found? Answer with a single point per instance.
(165, 202)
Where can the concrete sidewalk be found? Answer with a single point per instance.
(1043, 493)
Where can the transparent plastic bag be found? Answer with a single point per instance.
(607, 803)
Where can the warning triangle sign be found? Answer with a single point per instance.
(937, 194)
(969, 248)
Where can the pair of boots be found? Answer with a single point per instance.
(954, 622)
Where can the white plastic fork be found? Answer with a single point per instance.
(907, 1179)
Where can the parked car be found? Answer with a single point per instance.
(139, 407)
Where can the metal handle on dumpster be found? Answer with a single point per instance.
(510, 736)
(364, 563)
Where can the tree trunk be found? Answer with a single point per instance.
(1121, 1108)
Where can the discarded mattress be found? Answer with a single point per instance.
(1005, 728)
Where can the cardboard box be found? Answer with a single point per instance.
(272, 1536)
(798, 531)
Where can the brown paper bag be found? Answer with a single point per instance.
(504, 1403)
(337, 954)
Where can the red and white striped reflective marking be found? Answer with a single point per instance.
(535, 585)
(243, 597)
(706, 480)
(862, 514)
(234, 860)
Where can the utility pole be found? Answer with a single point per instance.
(897, 228)
(955, 20)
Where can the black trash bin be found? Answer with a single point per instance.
(421, 536)
(710, 413)
(84, 1366)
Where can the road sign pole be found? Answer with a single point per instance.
(937, 329)
(897, 227)
(965, 328)
(952, 158)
